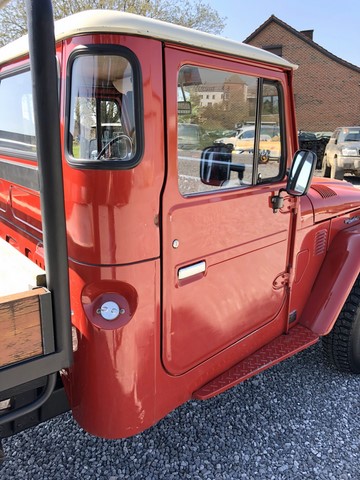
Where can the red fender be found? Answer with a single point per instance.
(333, 284)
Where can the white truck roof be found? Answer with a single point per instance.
(110, 21)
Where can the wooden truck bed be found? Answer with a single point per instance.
(21, 285)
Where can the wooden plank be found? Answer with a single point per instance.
(20, 325)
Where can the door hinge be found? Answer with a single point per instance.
(281, 280)
(289, 204)
(282, 204)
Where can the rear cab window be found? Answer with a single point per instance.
(17, 125)
(105, 124)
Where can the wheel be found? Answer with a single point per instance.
(119, 148)
(325, 169)
(264, 156)
(342, 344)
(336, 172)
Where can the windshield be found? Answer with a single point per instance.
(352, 135)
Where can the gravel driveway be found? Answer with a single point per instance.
(299, 420)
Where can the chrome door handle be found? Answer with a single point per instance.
(191, 270)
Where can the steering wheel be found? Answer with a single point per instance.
(119, 147)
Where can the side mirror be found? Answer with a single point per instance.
(301, 173)
(215, 164)
(299, 179)
(184, 108)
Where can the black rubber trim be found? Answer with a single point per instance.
(283, 158)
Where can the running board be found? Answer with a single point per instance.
(298, 339)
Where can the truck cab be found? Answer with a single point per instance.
(191, 266)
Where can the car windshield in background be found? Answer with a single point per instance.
(351, 135)
(188, 135)
(307, 136)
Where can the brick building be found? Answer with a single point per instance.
(327, 88)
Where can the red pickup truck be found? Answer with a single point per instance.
(190, 269)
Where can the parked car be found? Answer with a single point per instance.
(323, 134)
(229, 137)
(247, 132)
(269, 142)
(189, 136)
(306, 136)
(243, 141)
(342, 153)
(316, 142)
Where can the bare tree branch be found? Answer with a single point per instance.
(195, 14)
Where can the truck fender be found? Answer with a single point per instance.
(333, 284)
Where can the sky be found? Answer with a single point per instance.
(336, 24)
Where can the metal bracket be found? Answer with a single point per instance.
(289, 203)
(14, 414)
(277, 203)
(281, 280)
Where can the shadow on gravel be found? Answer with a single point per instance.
(298, 420)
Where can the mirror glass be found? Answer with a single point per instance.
(301, 172)
(215, 165)
(184, 108)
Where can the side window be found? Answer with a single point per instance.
(104, 121)
(17, 126)
(335, 135)
(229, 134)
(269, 147)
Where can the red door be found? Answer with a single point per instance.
(223, 247)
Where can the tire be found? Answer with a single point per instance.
(325, 170)
(264, 157)
(342, 344)
(336, 172)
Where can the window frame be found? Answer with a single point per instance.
(282, 160)
(107, 164)
(261, 80)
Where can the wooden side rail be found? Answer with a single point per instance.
(20, 324)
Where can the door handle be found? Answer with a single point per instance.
(191, 270)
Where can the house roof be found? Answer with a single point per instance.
(110, 21)
(303, 37)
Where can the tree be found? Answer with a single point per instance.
(194, 14)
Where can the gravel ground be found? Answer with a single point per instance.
(298, 420)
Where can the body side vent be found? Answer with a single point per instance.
(320, 243)
(324, 191)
